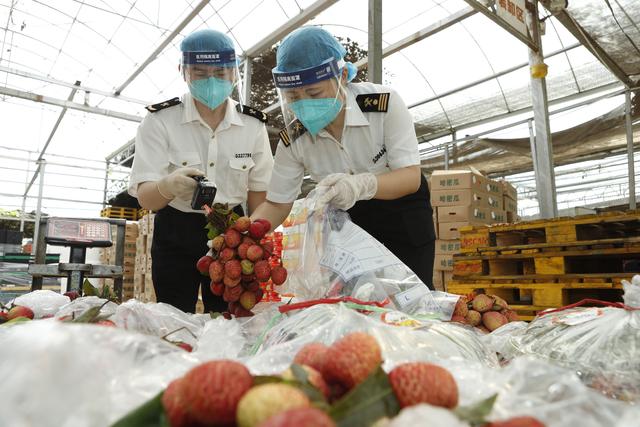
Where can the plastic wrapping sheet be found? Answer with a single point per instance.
(42, 302)
(80, 305)
(501, 339)
(220, 339)
(601, 344)
(68, 375)
(160, 319)
(419, 340)
(336, 258)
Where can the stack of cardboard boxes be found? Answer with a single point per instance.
(108, 256)
(461, 198)
(142, 283)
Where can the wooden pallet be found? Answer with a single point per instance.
(613, 225)
(527, 299)
(616, 256)
(602, 280)
(119, 213)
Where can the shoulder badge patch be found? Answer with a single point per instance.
(249, 111)
(162, 105)
(373, 102)
(298, 130)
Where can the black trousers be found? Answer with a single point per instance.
(179, 240)
(404, 226)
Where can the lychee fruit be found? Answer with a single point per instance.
(216, 243)
(482, 303)
(232, 269)
(242, 250)
(420, 382)
(203, 264)
(242, 224)
(266, 400)
(216, 271)
(243, 312)
(313, 376)
(212, 391)
(473, 318)
(248, 240)
(252, 286)
(313, 355)
(174, 405)
(259, 293)
(517, 422)
(278, 275)
(265, 224)
(106, 322)
(247, 267)
(492, 320)
(227, 254)
(461, 307)
(307, 417)
(502, 304)
(268, 249)
(257, 231)
(248, 278)
(217, 288)
(72, 295)
(511, 315)
(20, 311)
(262, 270)
(232, 238)
(232, 294)
(254, 253)
(350, 360)
(3, 316)
(230, 282)
(459, 319)
(247, 300)
(186, 347)
(484, 330)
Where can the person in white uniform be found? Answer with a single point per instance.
(206, 133)
(357, 140)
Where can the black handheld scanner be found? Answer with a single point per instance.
(204, 194)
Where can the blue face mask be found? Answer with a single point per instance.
(211, 91)
(315, 114)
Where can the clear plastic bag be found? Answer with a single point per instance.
(160, 319)
(336, 258)
(80, 305)
(601, 344)
(59, 374)
(42, 302)
(417, 340)
(501, 339)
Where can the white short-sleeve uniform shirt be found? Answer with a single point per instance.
(236, 156)
(376, 142)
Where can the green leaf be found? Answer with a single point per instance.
(149, 414)
(88, 290)
(16, 321)
(302, 382)
(212, 233)
(91, 315)
(368, 402)
(477, 413)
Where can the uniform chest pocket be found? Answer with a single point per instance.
(184, 159)
(238, 176)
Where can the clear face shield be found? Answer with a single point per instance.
(212, 77)
(313, 96)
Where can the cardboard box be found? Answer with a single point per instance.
(457, 179)
(463, 213)
(498, 216)
(493, 202)
(438, 284)
(443, 263)
(494, 188)
(447, 276)
(509, 190)
(451, 230)
(447, 247)
(458, 197)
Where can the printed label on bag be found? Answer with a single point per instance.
(578, 317)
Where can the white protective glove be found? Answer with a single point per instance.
(179, 184)
(343, 190)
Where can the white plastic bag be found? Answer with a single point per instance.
(336, 258)
(42, 302)
(602, 344)
(80, 305)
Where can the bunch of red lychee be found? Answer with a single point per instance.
(237, 263)
(486, 312)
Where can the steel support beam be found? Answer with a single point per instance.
(422, 34)
(162, 45)
(246, 83)
(57, 82)
(630, 155)
(278, 34)
(374, 58)
(533, 44)
(584, 38)
(42, 163)
(68, 104)
(545, 178)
